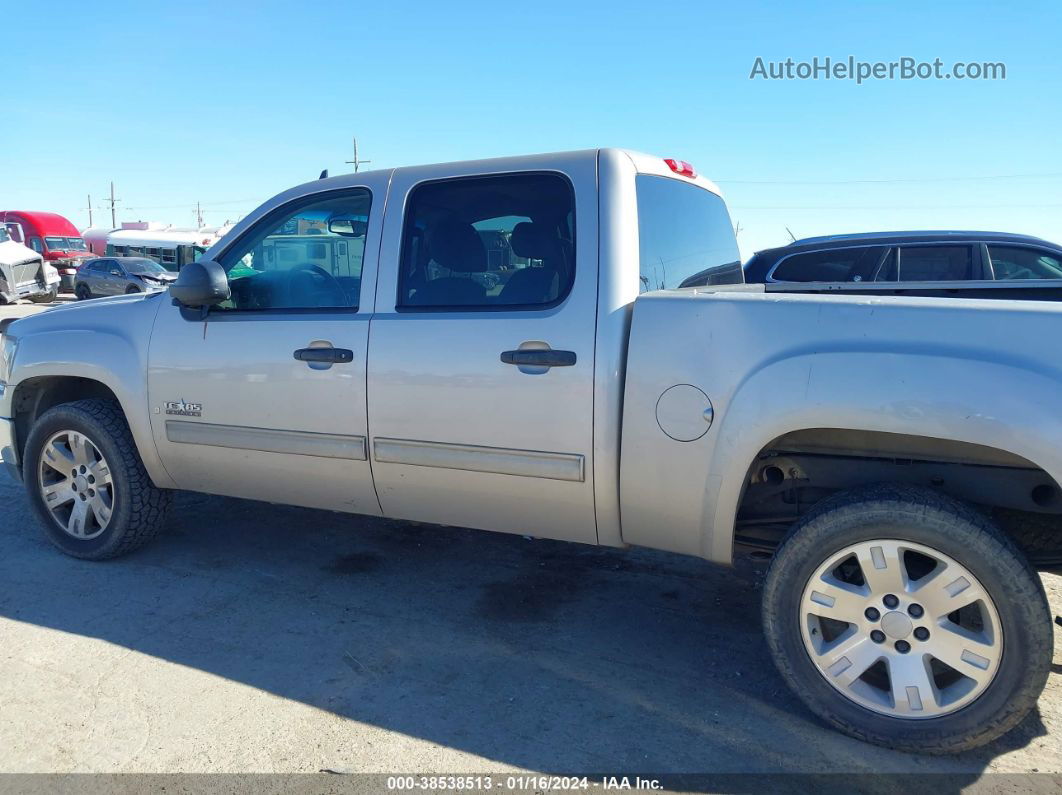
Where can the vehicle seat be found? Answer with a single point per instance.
(535, 285)
(456, 246)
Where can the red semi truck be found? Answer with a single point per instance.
(53, 237)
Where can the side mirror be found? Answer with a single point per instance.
(202, 283)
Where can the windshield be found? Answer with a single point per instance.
(143, 266)
(4, 236)
(65, 244)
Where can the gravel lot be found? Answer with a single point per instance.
(255, 637)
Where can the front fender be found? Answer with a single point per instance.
(106, 344)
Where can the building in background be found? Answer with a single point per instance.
(171, 247)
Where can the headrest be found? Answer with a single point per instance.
(533, 241)
(457, 246)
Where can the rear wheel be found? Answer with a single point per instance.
(130, 290)
(908, 619)
(82, 292)
(87, 484)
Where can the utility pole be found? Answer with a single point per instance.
(89, 208)
(356, 162)
(198, 216)
(114, 222)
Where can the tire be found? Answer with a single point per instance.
(82, 292)
(137, 509)
(131, 290)
(45, 298)
(1015, 617)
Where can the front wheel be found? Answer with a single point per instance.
(87, 484)
(82, 292)
(907, 619)
(45, 298)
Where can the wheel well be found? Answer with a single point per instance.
(798, 470)
(35, 396)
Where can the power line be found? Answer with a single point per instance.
(114, 223)
(356, 162)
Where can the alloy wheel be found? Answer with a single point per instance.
(76, 485)
(901, 629)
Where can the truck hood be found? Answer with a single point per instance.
(12, 253)
(79, 314)
(70, 255)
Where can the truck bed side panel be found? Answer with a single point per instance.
(978, 371)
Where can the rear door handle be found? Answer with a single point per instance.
(530, 357)
(329, 355)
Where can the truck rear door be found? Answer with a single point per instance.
(481, 351)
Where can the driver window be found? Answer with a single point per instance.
(303, 257)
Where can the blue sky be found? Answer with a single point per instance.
(229, 102)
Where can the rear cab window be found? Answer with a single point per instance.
(685, 237)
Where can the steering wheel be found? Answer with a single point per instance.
(306, 284)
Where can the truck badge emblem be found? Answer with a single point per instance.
(181, 408)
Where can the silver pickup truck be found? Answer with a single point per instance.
(552, 346)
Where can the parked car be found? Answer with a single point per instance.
(871, 445)
(120, 275)
(53, 237)
(24, 273)
(903, 257)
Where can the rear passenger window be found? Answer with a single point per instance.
(857, 264)
(685, 238)
(935, 263)
(1013, 262)
(482, 243)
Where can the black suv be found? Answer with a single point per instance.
(884, 257)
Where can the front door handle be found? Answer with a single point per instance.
(533, 357)
(327, 355)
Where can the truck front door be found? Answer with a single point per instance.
(265, 398)
(481, 355)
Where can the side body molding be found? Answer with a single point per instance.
(267, 440)
(474, 458)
